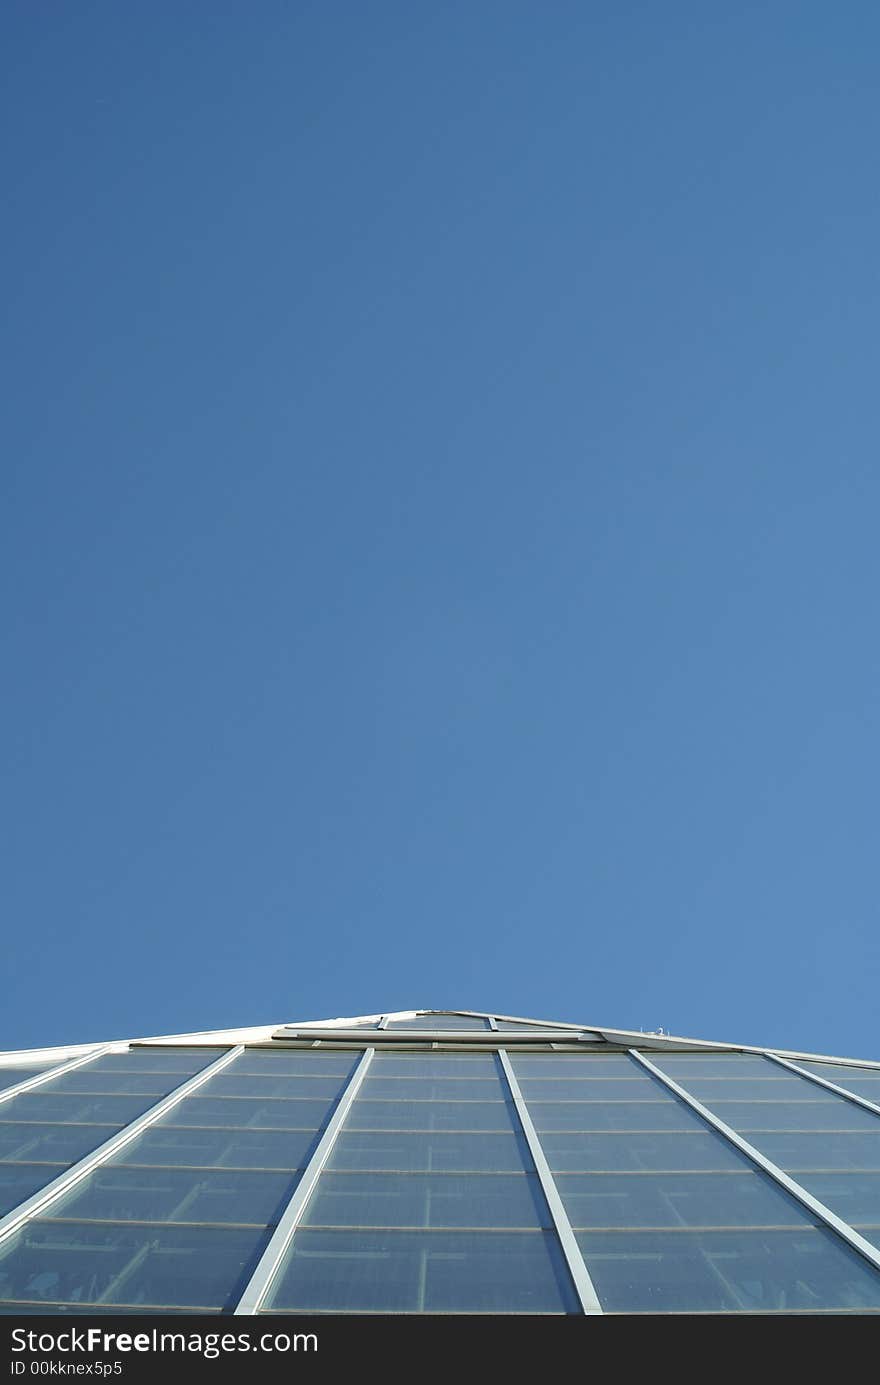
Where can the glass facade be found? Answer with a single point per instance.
(442, 1163)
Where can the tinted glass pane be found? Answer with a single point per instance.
(853, 1196)
(155, 1084)
(613, 1153)
(676, 1199)
(428, 1150)
(248, 1084)
(822, 1150)
(186, 1195)
(841, 1073)
(235, 1112)
(309, 1062)
(18, 1181)
(536, 1024)
(833, 1114)
(169, 1060)
(434, 1022)
(732, 1271)
(429, 1115)
(612, 1065)
(424, 1272)
(441, 1199)
(249, 1149)
(708, 1089)
(60, 1144)
(434, 1065)
(679, 1065)
(431, 1089)
(620, 1115)
(105, 1263)
(64, 1107)
(583, 1089)
(868, 1087)
(10, 1077)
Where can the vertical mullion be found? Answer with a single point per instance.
(69, 1065)
(39, 1201)
(812, 1204)
(583, 1284)
(260, 1281)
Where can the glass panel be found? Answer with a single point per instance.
(834, 1114)
(98, 1263)
(155, 1084)
(434, 1065)
(609, 1065)
(117, 1193)
(18, 1181)
(440, 1199)
(620, 1115)
(679, 1065)
(711, 1089)
(427, 1150)
(822, 1150)
(584, 1089)
(59, 1144)
(431, 1089)
(286, 1087)
(262, 1062)
(840, 1072)
(868, 1087)
(677, 1199)
(67, 1107)
(247, 1149)
(853, 1196)
(727, 1271)
(10, 1077)
(564, 1034)
(429, 1115)
(425, 1272)
(186, 1061)
(435, 1022)
(612, 1153)
(247, 1084)
(236, 1112)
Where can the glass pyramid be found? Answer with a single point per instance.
(437, 1162)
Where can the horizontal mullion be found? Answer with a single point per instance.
(662, 1227)
(49, 1303)
(421, 1173)
(200, 1168)
(148, 1222)
(431, 1230)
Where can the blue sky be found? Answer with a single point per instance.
(439, 523)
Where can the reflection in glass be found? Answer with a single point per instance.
(117, 1193)
(429, 1115)
(727, 1271)
(440, 1199)
(239, 1112)
(499, 1151)
(663, 1150)
(424, 1272)
(676, 1200)
(98, 1263)
(245, 1149)
(620, 1115)
(57, 1144)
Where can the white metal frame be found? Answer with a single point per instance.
(270, 1261)
(583, 1284)
(28, 1084)
(44, 1197)
(812, 1204)
(827, 1084)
